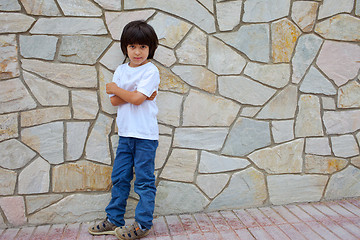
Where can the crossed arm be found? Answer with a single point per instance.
(123, 96)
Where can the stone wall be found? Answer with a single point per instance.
(259, 104)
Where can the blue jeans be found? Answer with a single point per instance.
(138, 154)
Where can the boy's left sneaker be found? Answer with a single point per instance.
(103, 228)
(132, 231)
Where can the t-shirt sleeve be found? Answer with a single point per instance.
(115, 79)
(149, 83)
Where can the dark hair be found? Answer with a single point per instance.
(139, 32)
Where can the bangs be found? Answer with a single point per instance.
(135, 36)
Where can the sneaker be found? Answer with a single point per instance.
(104, 227)
(132, 231)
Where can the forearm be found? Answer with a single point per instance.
(117, 101)
(135, 97)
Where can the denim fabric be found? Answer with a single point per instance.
(138, 154)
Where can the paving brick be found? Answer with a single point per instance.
(351, 228)
(339, 230)
(112, 237)
(259, 217)
(350, 207)
(40, 232)
(315, 213)
(212, 236)
(275, 232)
(291, 232)
(286, 214)
(175, 225)
(244, 234)
(56, 231)
(306, 231)
(190, 225)
(219, 222)
(83, 231)
(9, 234)
(150, 236)
(204, 222)
(342, 211)
(328, 212)
(246, 218)
(298, 212)
(322, 231)
(272, 215)
(229, 235)
(233, 221)
(160, 227)
(355, 201)
(259, 233)
(71, 231)
(197, 236)
(101, 237)
(25, 233)
(163, 238)
(180, 237)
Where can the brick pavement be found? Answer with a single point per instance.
(326, 220)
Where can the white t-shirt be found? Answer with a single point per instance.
(138, 121)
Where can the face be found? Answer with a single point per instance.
(138, 54)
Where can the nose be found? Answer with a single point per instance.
(137, 51)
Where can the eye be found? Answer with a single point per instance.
(144, 46)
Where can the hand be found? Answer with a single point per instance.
(110, 88)
(153, 95)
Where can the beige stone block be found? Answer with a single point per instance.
(8, 58)
(7, 181)
(85, 104)
(327, 165)
(304, 14)
(212, 184)
(37, 202)
(76, 208)
(162, 151)
(197, 76)
(349, 95)
(14, 210)
(14, 96)
(46, 92)
(284, 37)
(181, 165)
(44, 115)
(202, 109)
(45, 8)
(9, 126)
(308, 121)
(193, 48)
(284, 189)
(35, 178)
(116, 21)
(170, 30)
(356, 161)
(169, 105)
(284, 158)
(81, 176)
(70, 75)
(340, 27)
(171, 82)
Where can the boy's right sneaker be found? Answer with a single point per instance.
(130, 232)
(104, 227)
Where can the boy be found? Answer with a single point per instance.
(133, 89)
